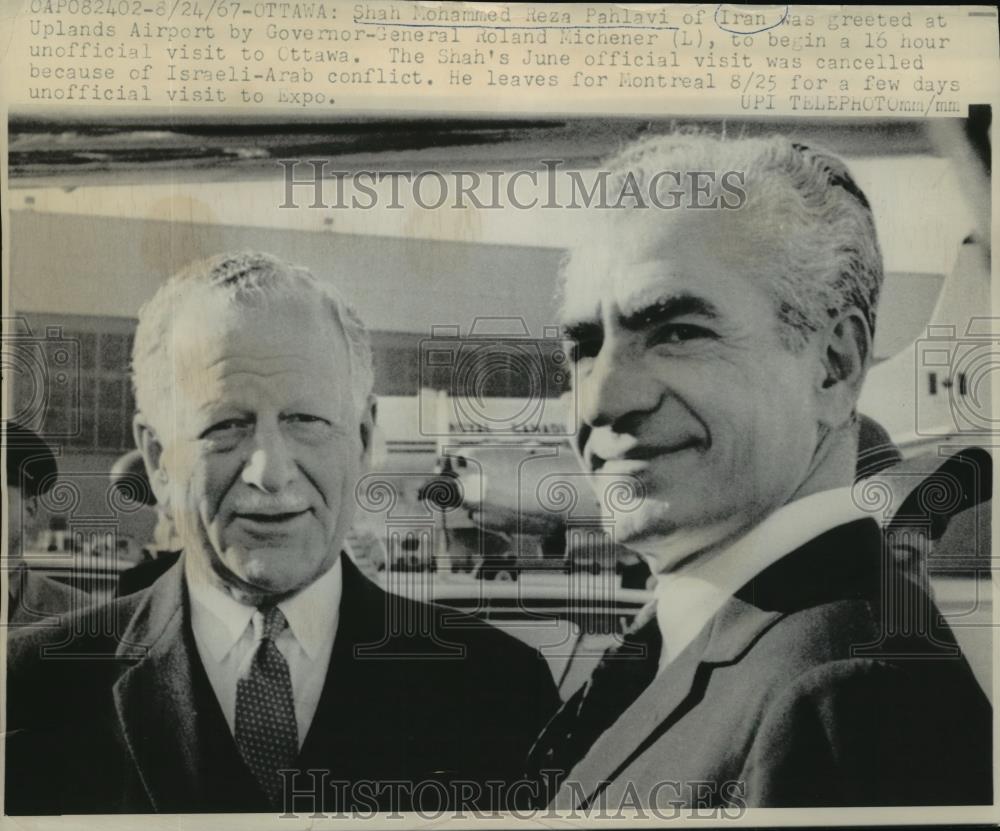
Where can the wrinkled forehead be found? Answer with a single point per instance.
(209, 326)
(215, 349)
(632, 260)
(219, 351)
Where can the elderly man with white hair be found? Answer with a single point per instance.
(720, 350)
(263, 666)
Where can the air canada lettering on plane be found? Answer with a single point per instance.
(554, 428)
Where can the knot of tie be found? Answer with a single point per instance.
(272, 622)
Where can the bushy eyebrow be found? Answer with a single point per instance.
(660, 311)
(665, 309)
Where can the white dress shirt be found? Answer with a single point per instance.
(688, 598)
(224, 634)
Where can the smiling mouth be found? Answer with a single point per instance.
(271, 519)
(639, 457)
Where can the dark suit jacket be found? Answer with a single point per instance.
(111, 710)
(829, 680)
(35, 597)
(146, 573)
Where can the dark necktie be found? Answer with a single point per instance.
(624, 671)
(266, 733)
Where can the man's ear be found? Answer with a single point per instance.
(846, 351)
(152, 456)
(368, 419)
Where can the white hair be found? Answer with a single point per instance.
(830, 258)
(242, 279)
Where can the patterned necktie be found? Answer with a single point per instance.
(624, 671)
(266, 732)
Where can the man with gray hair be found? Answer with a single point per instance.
(263, 665)
(720, 351)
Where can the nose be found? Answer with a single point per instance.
(615, 389)
(271, 465)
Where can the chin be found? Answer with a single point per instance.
(255, 578)
(653, 519)
(256, 568)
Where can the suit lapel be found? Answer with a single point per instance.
(723, 640)
(174, 728)
(172, 724)
(841, 562)
(615, 745)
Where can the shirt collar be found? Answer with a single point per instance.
(687, 598)
(217, 618)
(220, 620)
(312, 613)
